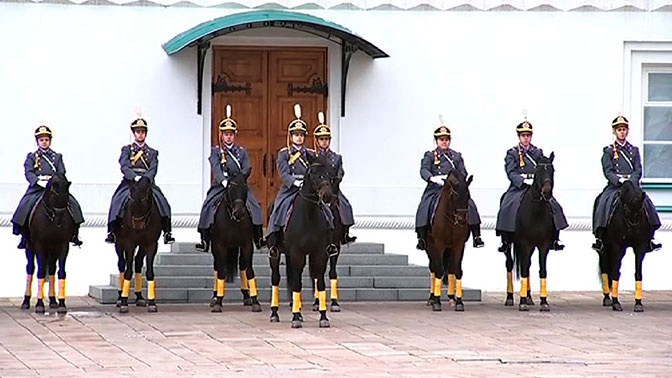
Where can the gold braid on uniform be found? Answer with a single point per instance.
(223, 161)
(437, 161)
(615, 151)
(520, 156)
(38, 160)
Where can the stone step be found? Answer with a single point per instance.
(196, 259)
(207, 282)
(354, 248)
(108, 295)
(397, 271)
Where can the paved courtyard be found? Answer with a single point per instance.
(578, 338)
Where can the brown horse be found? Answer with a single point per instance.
(140, 229)
(445, 242)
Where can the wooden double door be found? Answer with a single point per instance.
(262, 85)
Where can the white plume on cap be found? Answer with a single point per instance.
(320, 118)
(228, 111)
(138, 111)
(441, 121)
(297, 110)
(525, 113)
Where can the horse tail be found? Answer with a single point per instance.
(446, 256)
(288, 276)
(231, 263)
(517, 258)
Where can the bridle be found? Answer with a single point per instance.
(54, 214)
(542, 196)
(459, 215)
(140, 223)
(230, 205)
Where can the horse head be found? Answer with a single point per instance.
(236, 196)
(318, 179)
(56, 197)
(457, 187)
(543, 177)
(632, 199)
(140, 202)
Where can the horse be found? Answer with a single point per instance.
(628, 227)
(121, 266)
(31, 259)
(51, 228)
(535, 229)
(307, 234)
(445, 242)
(140, 229)
(231, 237)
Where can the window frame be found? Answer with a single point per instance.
(647, 70)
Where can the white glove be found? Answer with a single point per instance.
(42, 183)
(225, 182)
(137, 178)
(298, 183)
(438, 180)
(622, 180)
(44, 177)
(528, 181)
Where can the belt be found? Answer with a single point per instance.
(623, 176)
(297, 176)
(139, 169)
(527, 175)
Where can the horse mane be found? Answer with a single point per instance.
(631, 195)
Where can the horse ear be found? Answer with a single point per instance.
(469, 180)
(551, 157)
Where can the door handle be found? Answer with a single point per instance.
(272, 165)
(263, 169)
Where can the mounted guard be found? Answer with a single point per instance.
(435, 167)
(138, 160)
(292, 165)
(39, 167)
(520, 165)
(621, 162)
(226, 160)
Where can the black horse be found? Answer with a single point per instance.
(627, 227)
(307, 234)
(140, 229)
(445, 242)
(51, 228)
(231, 240)
(535, 229)
(31, 259)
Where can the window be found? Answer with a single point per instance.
(657, 123)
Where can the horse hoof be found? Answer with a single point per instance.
(509, 302)
(430, 300)
(639, 308)
(275, 319)
(62, 310)
(216, 308)
(247, 302)
(324, 323)
(140, 303)
(118, 302)
(52, 302)
(25, 305)
(123, 309)
(256, 307)
(316, 307)
(459, 307)
(530, 302)
(436, 306)
(335, 308)
(544, 307)
(606, 302)
(297, 324)
(523, 307)
(39, 309)
(213, 301)
(616, 306)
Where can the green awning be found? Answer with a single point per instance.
(206, 31)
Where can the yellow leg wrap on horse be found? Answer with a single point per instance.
(323, 300)
(40, 288)
(334, 288)
(214, 283)
(509, 282)
(29, 285)
(315, 289)
(151, 290)
(244, 282)
(52, 286)
(438, 284)
(432, 277)
(614, 289)
(61, 289)
(275, 296)
(126, 289)
(121, 280)
(638, 289)
(523, 287)
(542, 292)
(296, 302)
(451, 285)
(221, 288)
(253, 287)
(138, 282)
(605, 283)
(458, 288)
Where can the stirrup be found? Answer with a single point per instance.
(273, 252)
(557, 245)
(422, 244)
(168, 238)
(478, 242)
(597, 246)
(111, 238)
(332, 250)
(654, 246)
(76, 242)
(503, 246)
(203, 246)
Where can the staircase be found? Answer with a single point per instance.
(365, 273)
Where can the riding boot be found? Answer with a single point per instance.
(204, 245)
(111, 236)
(347, 238)
(75, 237)
(476, 234)
(505, 244)
(258, 236)
(273, 242)
(557, 244)
(653, 244)
(598, 245)
(167, 235)
(23, 231)
(422, 237)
